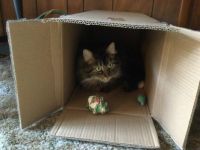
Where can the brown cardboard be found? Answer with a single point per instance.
(43, 52)
(153, 48)
(127, 124)
(178, 84)
(70, 34)
(34, 77)
(129, 131)
(115, 19)
(120, 102)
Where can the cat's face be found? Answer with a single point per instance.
(104, 67)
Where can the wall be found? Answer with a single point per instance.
(172, 11)
(195, 15)
(7, 12)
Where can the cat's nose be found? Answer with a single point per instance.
(105, 74)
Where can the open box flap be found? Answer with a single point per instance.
(35, 66)
(30, 44)
(177, 88)
(42, 76)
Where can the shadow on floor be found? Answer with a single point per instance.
(4, 49)
(194, 134)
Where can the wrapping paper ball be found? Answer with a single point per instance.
(97, 105)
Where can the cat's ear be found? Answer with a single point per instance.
(88, 56)
(111, 50)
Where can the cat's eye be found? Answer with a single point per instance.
(111, 65)
(98, 68)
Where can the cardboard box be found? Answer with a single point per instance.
(43, 56)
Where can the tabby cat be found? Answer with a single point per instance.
(103, 69)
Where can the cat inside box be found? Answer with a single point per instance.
(109, 58)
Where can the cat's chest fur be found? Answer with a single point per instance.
(93, 80)
(94, 83)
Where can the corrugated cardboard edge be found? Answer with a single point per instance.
(191, 119)
(155, 137)
(13, 70)
(75, 19)
(194, 35)
(157, 27)
(114, 144)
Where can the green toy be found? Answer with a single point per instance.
(141, 99)
(97, 105)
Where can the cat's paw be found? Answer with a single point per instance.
(127, 88)
(106, 89)
(141, 85)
